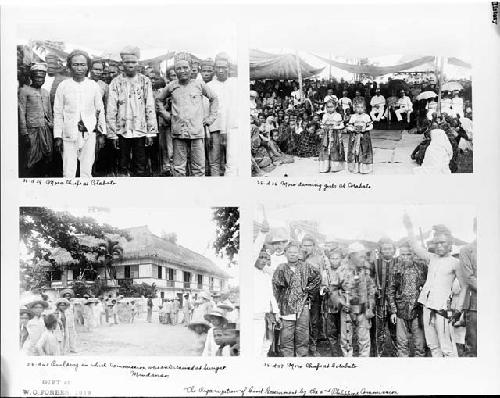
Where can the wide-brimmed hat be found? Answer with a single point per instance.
(67, 291)
(26, 311)
(62, 300)
(215, 313)
(226, 305)
(43, 303)
(204, 295)
(198, 320)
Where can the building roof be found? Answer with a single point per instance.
(145, 244)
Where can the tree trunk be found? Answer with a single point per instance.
(64, 277)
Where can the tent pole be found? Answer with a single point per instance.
(441, 67)
(330, 69)
(299, 75)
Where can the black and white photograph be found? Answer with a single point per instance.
(337, 101)
(367, 281)
(126, 96)
(127, 282)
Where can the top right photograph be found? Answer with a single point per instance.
(336, 104)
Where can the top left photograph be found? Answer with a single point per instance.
(127, 96)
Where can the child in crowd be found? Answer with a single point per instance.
(332, 154)
(48, 344)
(360, 151)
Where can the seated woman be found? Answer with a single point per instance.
(437, 155)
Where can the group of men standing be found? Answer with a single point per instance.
(405, 301)
(152, 127)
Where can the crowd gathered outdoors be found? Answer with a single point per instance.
(49, 328)
(287, 123)
(342, 300)
(99, 117)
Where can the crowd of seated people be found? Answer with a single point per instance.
(285, 124)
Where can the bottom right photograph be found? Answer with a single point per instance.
(333, 280)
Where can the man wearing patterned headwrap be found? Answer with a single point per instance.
(188, 117)
(131, 115)
(224, 129)
(207, 70)
(35, 124)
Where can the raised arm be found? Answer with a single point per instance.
(416, 247)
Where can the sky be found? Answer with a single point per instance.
(155, 30)
(369, 31)
(370, 222)
(194, 226)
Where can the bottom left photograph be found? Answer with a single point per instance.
(103, 281)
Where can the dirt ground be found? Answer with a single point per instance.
(138, 338)
(385, 161)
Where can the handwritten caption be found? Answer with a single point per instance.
(270, 391)
(314, 366)
(317, 186)
(75, 182)
(138, 371)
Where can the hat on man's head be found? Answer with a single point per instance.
(222, 58)
(43, 303)
(308, 238)
(385, 241)
(38, 67)
(62, 300)
(279, 235)
(26, 311)
(207, 62)
(356, 247)
(216, 313)
(130, 50)
(204, 295)
(254, 94)
(64, 292)
(182, 56)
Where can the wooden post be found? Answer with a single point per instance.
(299, 75)
(330, 67)
(441, 67)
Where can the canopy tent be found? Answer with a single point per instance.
(425, 63)
(265, 65)
(374, 70)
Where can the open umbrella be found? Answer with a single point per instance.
(426, 95)
(452, 86)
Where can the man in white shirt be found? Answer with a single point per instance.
(225, 127)
(78, 113)
(435, 295)
(378, 105)
(404, 105)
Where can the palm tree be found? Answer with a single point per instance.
(109, 250)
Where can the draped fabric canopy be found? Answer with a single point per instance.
(265, 65)
(374, 71)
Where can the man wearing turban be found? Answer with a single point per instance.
(188, 118)
(131, 116)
